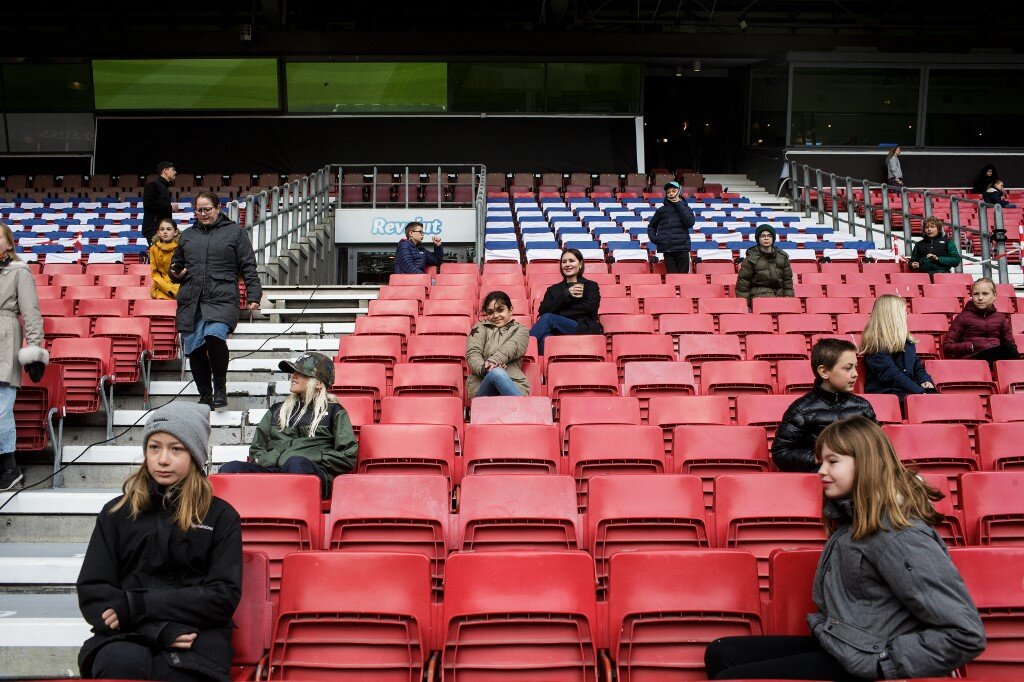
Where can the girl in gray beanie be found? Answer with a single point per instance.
(162, 575)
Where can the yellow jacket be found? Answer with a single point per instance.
(160, 265)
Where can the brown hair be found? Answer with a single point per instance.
(886, 494)
(984, 280)
(5, 229)
(190, 497)
(827, 352)
(932, 221)
(211, 197)
(412, 226)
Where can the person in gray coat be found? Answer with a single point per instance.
(211, 255)
(891, 604)
(18, 305)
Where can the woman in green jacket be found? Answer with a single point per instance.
(308, 433)
(494, 351)
(765, 271)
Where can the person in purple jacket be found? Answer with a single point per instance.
(410, 257)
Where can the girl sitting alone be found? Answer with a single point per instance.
(569, 306)
(494, 351)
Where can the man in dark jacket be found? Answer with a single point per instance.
(834, 362)
(156, 200)
(935, 252)
(669, 229)
(211, 255)
(410, 257)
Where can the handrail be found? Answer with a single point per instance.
(810, 186)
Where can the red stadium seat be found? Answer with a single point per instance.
(645, 380)
(62, 269)
(993, 507)
(698, 349)
(685, 278)
(640, 279)
(38, 408)
(790, 581)
(950, 307)
(951, 527)
(1010, 376)
(630, 348)
(993, 576)
(385, 325)
(77, 280)
(130, 343)
(805, 291)
(254, 617)
(581, 379)
(737, 377)
(664, 608)
(450, 278)
(1007, 408)
(407, 449)
(946, 409)
(944, 291)
(776, 306)
(511, 410)
(999, 446)
(961, 376)
(657, 307)
(88, 369)
(519, 511)
(763, 410)
(361, 379)
(614, 305)
(711, 451)
(637, 513)
(935, 448)
(353, 615)
(407, 280)
(627, 324)
(713, 267)
(794, 377)
(721, 306)
(807, 325)
(742, 324)
(580, 410)
(520, 616)
(47, 293)
(839, 291)
(425, 410)
(361, 410)
(886, 407)
(428, 379)
(575, 348)
(118, 282)
(962, 278)
(512, 449)
(775, 347)
(597, 449)
(410, 309)
(669, 412)
(852, 324)
(163, 331)
(680, 323)
(97, 269)
(651, 290)
(831, 306)
(391, 513)
(438, 349)
(452, 293)
(441, 325)
(463, 308)
(65, 328)
(402, 293)
(763, 512)
(291, 524)
(382, 350)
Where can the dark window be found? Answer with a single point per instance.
(47, 87)
(497, 87)
(975, 108)
(593, 88)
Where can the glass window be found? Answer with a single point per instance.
(497, 87)
(48, 132)
(192, 84)
(768, 94)
(851, 106)
(593, 88)
(367, 87)
(975, 108)
(47, 87)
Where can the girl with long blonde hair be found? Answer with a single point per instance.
(890, 602)
(307, 433)
(162, 574)
(890, 356)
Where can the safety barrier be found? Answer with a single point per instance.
(817, 190)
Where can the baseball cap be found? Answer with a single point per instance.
(672, 184)
(315, 365)
(163, 165)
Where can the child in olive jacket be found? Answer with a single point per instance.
(308, 433)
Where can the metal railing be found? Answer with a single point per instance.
(816, 190)
(374, 177)
(283, 216)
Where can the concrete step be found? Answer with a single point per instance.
(107, 466)
(40, 563)
(40, 635)
(56, 515)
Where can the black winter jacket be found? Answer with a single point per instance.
(559, 301)
(214, 257)
(163, 583)
(942, 247)
(669, 227)
(156, 205)
(806, 418)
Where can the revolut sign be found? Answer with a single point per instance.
(387, 225)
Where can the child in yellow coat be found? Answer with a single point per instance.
(160, 254)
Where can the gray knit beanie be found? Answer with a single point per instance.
(188, 422)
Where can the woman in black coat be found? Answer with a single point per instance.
(163, 572)
(569, 306)
(212, 254)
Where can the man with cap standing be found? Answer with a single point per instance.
(308, 433)
(669, 229)
(156, 200)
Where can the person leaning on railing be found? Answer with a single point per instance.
(935, 252)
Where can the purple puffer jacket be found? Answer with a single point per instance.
(975, 330)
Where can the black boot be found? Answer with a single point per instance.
(220, 393)
(200, 366)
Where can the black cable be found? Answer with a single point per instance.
(146, 412)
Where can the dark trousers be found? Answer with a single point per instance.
(297, 464)
(759, 658)
(1003, 351)
(208, 362)
(131, 661)
(677, 262)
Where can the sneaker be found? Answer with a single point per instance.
(10, 478)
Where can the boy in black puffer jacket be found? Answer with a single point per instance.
(669, 229)
(834, 362)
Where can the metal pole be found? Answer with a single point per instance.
(866, 202)
(793, 191)
(821, 199)
(260, 230)
(807, 191)
(954, 220)
(886, 218)
(1000, 236)
(985, 236)
(835, 201)
(851, 209)
(275, 220)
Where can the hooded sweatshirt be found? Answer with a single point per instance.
(764, 274)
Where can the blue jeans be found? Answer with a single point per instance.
(548, 324)
(293, 465)
(8, 437)
(498, 382)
